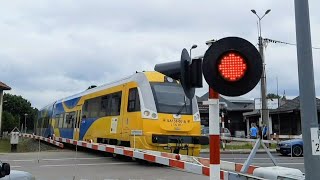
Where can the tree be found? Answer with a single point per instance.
(9, 121)
(273, 96)
(17, 106)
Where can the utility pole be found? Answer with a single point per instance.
(309, 119)
(264, 107)
(25, 122)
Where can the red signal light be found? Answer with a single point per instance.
(232, 66)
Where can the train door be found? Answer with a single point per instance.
(132, 115)
(125, 122)
(76, 131)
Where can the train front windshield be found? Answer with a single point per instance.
(170, 98)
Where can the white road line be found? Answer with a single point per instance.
(15, 166)
(97, 164)
(289, 158)
(58, 159)
(62, 159)
(279, 163)
(18, 160)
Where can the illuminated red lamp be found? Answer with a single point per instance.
(232, 66)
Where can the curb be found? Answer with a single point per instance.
(239, 151)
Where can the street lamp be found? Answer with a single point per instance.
(265, 112)
(193, 47)
(25, 122)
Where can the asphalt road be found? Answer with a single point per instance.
(263, 160)
(62, 165)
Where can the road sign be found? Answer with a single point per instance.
(271, 104)
(315, 141)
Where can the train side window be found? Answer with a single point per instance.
(56, 124)
(105, 110)
(70, 118)
(61, 120)
(65, 124)
(133, 100)
(85, 109)
(45, 121)
(116, 104)
(79, 119)
(93, 108)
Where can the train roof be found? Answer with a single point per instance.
(150, 75)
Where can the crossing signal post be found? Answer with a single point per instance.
(231, 66)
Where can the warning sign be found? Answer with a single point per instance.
(315, 141)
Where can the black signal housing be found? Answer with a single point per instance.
(223, 62)
(187, 71)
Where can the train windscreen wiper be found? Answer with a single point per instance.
(183, 106)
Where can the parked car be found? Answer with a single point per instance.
(224, 132)
(18, 175)
(7, 174)
(294, 145)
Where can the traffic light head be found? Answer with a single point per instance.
(232, 66)
(188, 71)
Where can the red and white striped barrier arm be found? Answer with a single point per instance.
(224, 165)
(168, 159)
(48, 140)
(246, 140)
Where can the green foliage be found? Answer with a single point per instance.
(17, 106)
(4, 145)
(9, 121)
(273, 96)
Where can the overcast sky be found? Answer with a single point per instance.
(53, 49)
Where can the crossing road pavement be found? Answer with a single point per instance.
(62, 165)
(263, 160)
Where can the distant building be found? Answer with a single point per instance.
(232, 109)
(285, 120)
(3, 87)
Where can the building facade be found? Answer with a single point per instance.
(231, 112)
(285, 120)
(3, 87)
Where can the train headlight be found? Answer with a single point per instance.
(154, 115)
(146, 113)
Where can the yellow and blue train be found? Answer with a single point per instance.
(146, 110)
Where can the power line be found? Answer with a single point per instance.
(281, 42)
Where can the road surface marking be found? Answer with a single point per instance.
(15, 166)
(293, 163)
(282, 158)
(58, 159)
(62, 159)
(18, 160)
(96, 164)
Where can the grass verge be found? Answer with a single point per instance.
(4, 145)
(25, 145)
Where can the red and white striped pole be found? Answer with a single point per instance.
(214, 134)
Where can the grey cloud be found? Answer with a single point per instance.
(52, 49)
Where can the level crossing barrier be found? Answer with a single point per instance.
(246, 140)
(48, 140)
(196, 165)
